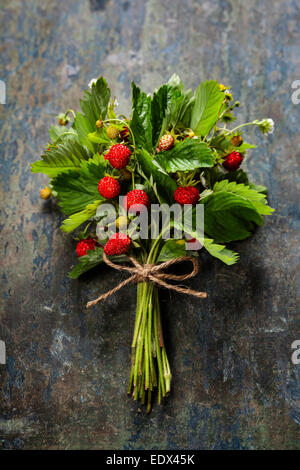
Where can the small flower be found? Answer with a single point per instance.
(266, 126)
(92, 82)
(222, 87)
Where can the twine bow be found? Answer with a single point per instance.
(152, 273)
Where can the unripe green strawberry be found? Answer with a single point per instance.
(112, 132)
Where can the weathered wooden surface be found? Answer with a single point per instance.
(64, 384)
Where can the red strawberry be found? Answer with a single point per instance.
(84, 245)
(118, 244)
(166, 142)
(233, 161)
(136, 197)
(119, 156)
(124, 134)
(186, 195)
(109, 187)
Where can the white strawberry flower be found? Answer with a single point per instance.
(266, 126)
(92, 82)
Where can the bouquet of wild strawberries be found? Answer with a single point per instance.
(174, 154)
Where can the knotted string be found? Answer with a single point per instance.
(152, 273)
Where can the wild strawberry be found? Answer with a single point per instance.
(124, 134)
(99, 123)
(112, 132)
(119, 156)
(233, 161)
(237, 140)
(166, 142)
(118, 244)
(84, 245)
(186, 195)
(109, 187)
(136, 197)
(45, 193)
(125, 175)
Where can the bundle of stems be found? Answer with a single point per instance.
(150, 367)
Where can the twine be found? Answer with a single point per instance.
(152, 273)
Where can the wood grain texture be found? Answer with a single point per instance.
(64, 384)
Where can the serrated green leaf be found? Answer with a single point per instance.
(172, 249)
(94, 106)
(80, 217)
(76, 189)
(220, 251)
(189, 154)
(84, 128)
(141, 124)
(207, 105)
(158, 111)
(92, 259)
(61, 158)
(259, 188)
(178, 108)
(61, 133)
(258, 199)
(87, 262)
(165, 185)
(229, 217)
(99, 137)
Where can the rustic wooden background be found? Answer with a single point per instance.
(64, 384)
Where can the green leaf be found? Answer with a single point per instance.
(257, 198)
(76, 189)
(95, 102)
(87, 262)
(141, 124)
(94, 106)
(220, 251)
(61, 133)
(158, 111)
(99, 137)
(189, 154)
(165, 185)
(61, 158)
(92, 259)
(84, 128)
(229, 217)
(172, 249)
(216, 250)
(259, 188)
(245, 146)
(208, 102)
(178, 109)
(80, 217)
